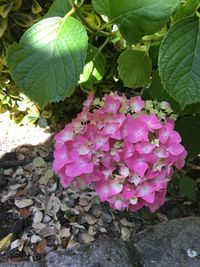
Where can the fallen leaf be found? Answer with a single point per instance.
(162, 217)
(40, 249)
(25, 213)
(5, 242)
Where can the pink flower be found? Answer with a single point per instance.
(151, 121)
(79, 166)
(127, 154)
(134, 130)
(136, 104)
(111, 105)
(144, 148)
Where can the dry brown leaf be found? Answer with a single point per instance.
(40, 249)
(21, 192)
(162, 217)
(25, 213)
(5, 242)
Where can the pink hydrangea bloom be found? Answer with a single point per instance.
(124, 151)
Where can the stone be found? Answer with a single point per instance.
(101, 253)
(170, 243)
(106, 218)
(22, 264)
(23, 203)
(86, 238)
(38, 162)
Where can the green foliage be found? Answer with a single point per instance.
(136, 18)
(189, 128)
(94, 69)
(179, 61)
(59, 8)
(135, 68)
(187, 186)
(51, 58)
(60, 47)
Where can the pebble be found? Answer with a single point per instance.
(90, 219)
(19, 171)
(125, 223)
(37, 217)
(23, 203)
(38, 162)
(35, 239)
(97, 213)
(34, 191)
(125, 233)
(106, 218)
(92, 230)
(47, 231)
(83, 201)
(86, 238)
(64, 232)
(48, 174)
(8, 172)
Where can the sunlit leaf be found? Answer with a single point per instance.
(94, 69)
(49, 59)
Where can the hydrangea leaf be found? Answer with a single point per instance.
(189, 128)
(188, 187)
(179, 61)
(49, 59)
(158, 92)
(134, 68)
(59, 8)
(94, 69)
(136, 18)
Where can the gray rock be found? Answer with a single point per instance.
(22, 264)
(170, 244)
(102, 253)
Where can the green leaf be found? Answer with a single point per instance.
(59, 8)
(134, 68)
(157, 91)
(94, 69)
(3, 25)
(179, 61)
(189, 129)
(187, 186)
(186, 9)
(5, 7)
(136, 18)
(49, 59)
(36, 8)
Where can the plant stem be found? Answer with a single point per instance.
(84, 21)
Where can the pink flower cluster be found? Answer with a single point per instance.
(125, 147)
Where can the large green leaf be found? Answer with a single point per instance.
(134, 68)
(49, 59)
(136, 18)
(157, 91)
(189, 128)
(94, 69)
(59, 8)
(179, 61)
